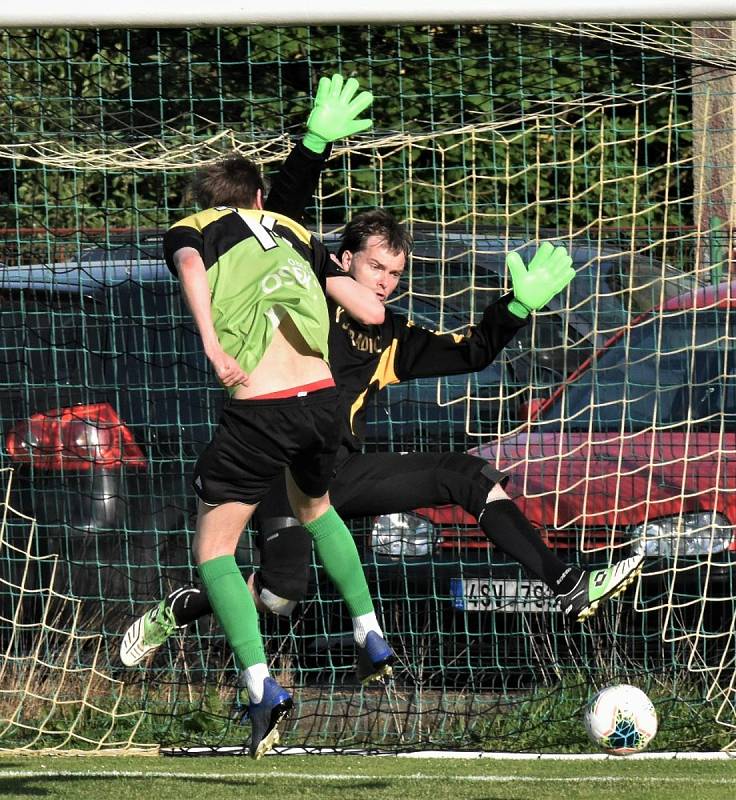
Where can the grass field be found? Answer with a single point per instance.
(361, 778)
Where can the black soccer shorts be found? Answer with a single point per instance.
(366, 485)
(256, 439)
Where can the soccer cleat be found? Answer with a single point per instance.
(147, 634)
(598, 585)
(374, 659)
(265, 716)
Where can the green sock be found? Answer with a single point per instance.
(339, 556)
(234, 608)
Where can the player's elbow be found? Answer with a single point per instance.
(188, 261)
(360, 302)
(371, 314)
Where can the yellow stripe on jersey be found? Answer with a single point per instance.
(202, 219)
(384, 374)
(456, 337)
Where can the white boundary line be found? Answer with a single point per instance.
(673, 756)
(459, 754)
(342, 778)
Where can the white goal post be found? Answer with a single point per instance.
(188, 13)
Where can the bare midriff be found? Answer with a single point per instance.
(287, 362)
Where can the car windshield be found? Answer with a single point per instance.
(611, 282)
(673, 368)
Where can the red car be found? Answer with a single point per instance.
(643, 434)
(636, 449)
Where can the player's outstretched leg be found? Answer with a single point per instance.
(265, 716)
(184, 605)
(598, 585)
(375, 658)
(147, 634)
(336, 549)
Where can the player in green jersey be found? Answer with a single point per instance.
(255, 283)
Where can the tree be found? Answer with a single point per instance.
(158, 90)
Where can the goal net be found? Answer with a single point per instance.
(614, 140)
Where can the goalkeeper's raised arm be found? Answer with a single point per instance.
(335, 113)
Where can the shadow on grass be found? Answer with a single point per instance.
(74, 784)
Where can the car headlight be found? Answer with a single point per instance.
(698, 534)
(403, 535)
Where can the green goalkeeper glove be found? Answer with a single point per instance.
(335, 111)
(548, 274)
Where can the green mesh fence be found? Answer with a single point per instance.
(616, 141)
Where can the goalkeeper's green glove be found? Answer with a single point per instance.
(335, 111)
(548, 274)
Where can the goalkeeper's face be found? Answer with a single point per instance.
(375, 266)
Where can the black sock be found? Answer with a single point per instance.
(511, 531)
(569, 580)
(570, 585)
(188, 604)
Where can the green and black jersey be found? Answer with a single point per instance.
(260, 266)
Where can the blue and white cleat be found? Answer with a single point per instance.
(265, 716)
(375, 659)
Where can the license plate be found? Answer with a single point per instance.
(510, 596)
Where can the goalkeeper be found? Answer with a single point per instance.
(365, 359)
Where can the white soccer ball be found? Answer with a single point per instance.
(621, 720)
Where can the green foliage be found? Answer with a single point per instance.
(103, 90)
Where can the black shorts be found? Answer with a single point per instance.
(366, 485)
(256, 439)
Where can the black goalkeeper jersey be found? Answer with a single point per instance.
(366, 358)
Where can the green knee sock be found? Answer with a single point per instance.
(339, 556)
(234, 608)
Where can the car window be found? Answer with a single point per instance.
(52, 337)
(649, 282)
(612, 285)
(453, 277)
(449, 284)
(712, 390)
(671, 369)
(148, 249)
(545, 350)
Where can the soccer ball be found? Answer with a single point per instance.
(621, 719)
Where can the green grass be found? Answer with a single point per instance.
(361, 778)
